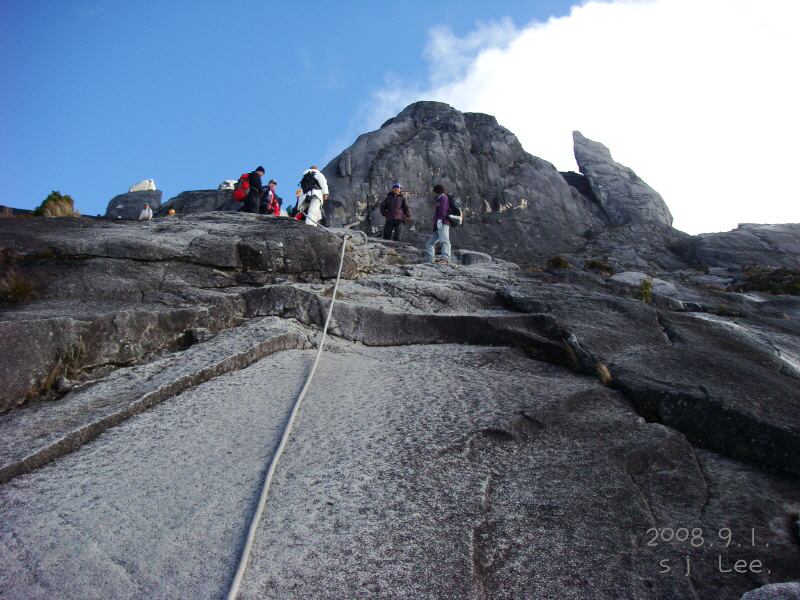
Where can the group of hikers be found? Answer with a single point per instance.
(263, 200)
(395, 208)
(256, 198)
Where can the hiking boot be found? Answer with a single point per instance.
(442, 260)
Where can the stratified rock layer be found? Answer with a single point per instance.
(474, 430)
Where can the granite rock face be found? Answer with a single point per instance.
(750, 244)
(201, 201)
(473, 430)
(624, 197)
(146, 185)
(114, 292)
(515, 203)
(130, 205)
(518, 207)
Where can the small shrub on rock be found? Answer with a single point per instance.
(15, 287)
(558, 262)
(56, 205)
(771, 281)
(599, 267)
(645, 291)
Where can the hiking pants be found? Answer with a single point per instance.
(251, 202)
(393, 230)
(441, 235)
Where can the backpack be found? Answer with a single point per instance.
(309, 182)
(456, 215)
(242, 187)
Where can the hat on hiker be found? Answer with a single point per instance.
(396, 184)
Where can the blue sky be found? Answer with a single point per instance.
(96, 96)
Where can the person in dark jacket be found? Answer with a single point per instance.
(270, 201)
(441, 227)
(253, 198)
(395, 209)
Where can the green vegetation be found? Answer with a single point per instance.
(599, 267)
(56, 205)
(15, 287)
(68, 362)
(772, 281)
(645, 290)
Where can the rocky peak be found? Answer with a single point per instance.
(623, 195)
(435, 115)
(474, 157)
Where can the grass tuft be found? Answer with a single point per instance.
(599, 267)
(557, 261)
(16, 287)
(604, 375)
(57, 205)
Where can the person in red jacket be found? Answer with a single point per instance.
(441, 227)
(395, 209)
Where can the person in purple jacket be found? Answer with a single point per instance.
(441, 227)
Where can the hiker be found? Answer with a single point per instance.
(270, 202)
(395, 208)
(146, 214)
(314, 188)
(253, 198)
(441, 227)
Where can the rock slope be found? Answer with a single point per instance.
(477, 430)
(625, 198)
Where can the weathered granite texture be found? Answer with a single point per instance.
(516, 204)
(130, 205)
(622, 194)
(113, 292)
(461, 438)
(147, 184)
(750, 244)
(518, 207)
(200, 201)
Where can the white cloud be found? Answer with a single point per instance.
(697, 96)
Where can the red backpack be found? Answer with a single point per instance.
(242, 187)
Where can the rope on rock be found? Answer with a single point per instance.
(237, 580)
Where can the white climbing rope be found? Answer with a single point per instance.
(237, 580)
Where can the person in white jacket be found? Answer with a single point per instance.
(315, 192)
(146, 214)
